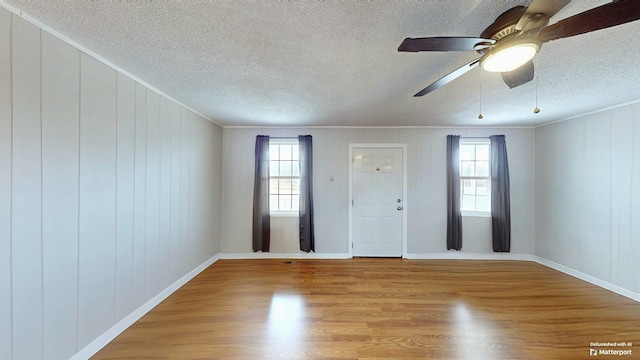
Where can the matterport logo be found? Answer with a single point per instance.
(610, 348)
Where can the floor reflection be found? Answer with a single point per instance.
(474, 332)
(286, 323)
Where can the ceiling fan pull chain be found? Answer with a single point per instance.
(537, 109)
(480, 115)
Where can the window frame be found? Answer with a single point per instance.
(283, 141)
(475, 141)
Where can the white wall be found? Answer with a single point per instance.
(588, 191)
(109, 193)
(426, 203)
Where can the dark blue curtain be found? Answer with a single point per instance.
(454, 216)
(261, 216)
(307, 238)
(500, 195)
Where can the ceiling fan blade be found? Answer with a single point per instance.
(608, 15)
(546, 7)
(448, 78)
(443, 44)
(519, 76)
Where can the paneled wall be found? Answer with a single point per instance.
(6, 328)
(425, 205)
(109, 193)
(587, 195)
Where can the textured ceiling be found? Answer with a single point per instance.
(316, 63)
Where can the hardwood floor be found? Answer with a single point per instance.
(382, 309)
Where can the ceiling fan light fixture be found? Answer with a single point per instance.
(511, 54)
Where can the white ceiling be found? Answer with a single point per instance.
(326, 63)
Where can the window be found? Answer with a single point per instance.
(284, 177)
(475, 177)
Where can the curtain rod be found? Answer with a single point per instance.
(474, 138)
(284, 137)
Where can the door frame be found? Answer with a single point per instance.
(405, 202)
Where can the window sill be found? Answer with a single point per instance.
(285, 214)
(476, 214)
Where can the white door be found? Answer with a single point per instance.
(377, 204)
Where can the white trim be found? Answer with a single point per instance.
(101, 341)
(590, 279)
(457, 255)
(377, 127)
(299, 255)
(453, 255)
(469, 213)
(284, 214)
(102, 59)
(405, 205)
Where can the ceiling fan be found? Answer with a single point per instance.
(515, 37)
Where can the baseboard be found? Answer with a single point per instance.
(588, 278)
(526, 257)
(471, 256)
(430, 256)
(101, 341)
(300, 255)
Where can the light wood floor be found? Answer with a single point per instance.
(381, 309)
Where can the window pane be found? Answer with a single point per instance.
(483, 203)
(467, 152)
(274, 167)
(273, 202)
(285, 186)
(284, 193)
(482, 188)
(284, 202)
(468, 202)
(285, 168)
(273, 186)
(475, 162)
(482, 168)
(285, 152)
(467, 168)
(273, 152)
(482, 152)
(469, 187)
(295, 186)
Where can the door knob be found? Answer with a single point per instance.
(399, 207)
